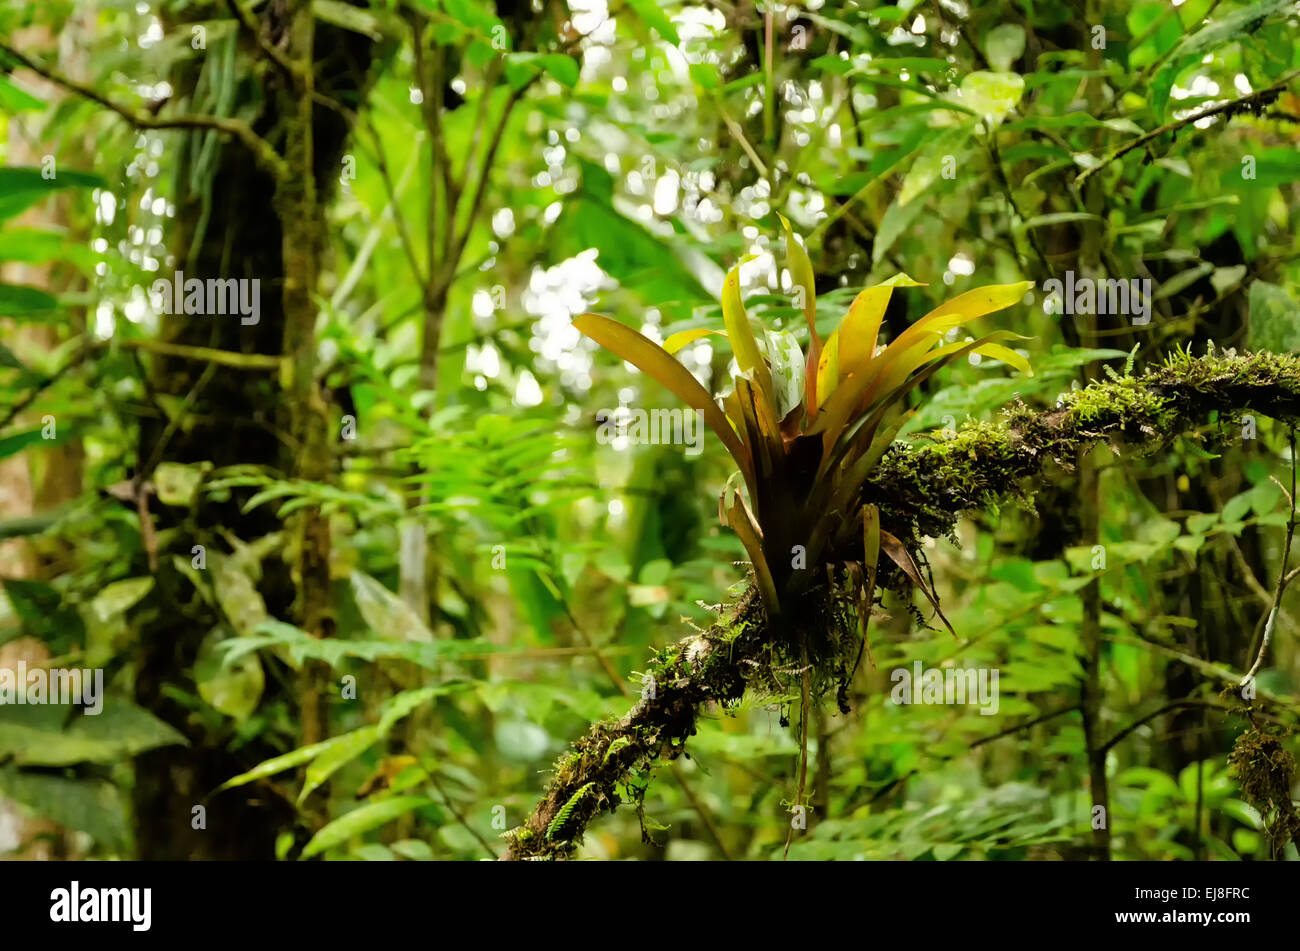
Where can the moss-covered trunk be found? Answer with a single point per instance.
(247, 223)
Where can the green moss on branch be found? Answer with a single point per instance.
(921, 491)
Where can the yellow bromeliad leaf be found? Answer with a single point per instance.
(680, 339)
(860, 328)
(741, 334)
(744, 524)
(828, 370)
(801, 273)
(645, 354)
(903, 355)
(887, 389)
(994, 350)
(964, 307)
(892, 371)
(842, 405)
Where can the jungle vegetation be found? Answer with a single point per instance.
(608, 429)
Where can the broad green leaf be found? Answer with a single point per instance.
(277, 764)
(93, 806)
(992, 95)
(12, 445)
(13, 98)
(897, 219)
(561, 67)
(19, 301)
(946, 151)
(23, 186)
(233, 688)
(385, 613)
(46, 614)
(705, 75)
(361, 820)
(349, 17)
(338, 752)
(119, 597)
(238, 596)
(650, 12)
(178, 484)
(119, 731)
(1274, 319)
(413, 849)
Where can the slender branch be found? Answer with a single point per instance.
(395, 206)
(1282, 576)
(225, 358)
(431, 109)
(175, 422)
(995, 158)
(1174, 705)
(1259, 97)
(1060, 712)
(456, 813)
(293, 70)
(734, 128)
(264, 152)
(42, 385)
(485, 172)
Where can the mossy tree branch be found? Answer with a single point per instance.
(262, 150)
(921, 491)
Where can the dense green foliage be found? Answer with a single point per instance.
(360, 568)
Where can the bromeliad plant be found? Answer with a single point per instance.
(806, 435)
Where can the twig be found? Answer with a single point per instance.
(293, 70)
(225, 358)
(1174, 705)
(460, 818)
(237, 128)
(30, 396)
(1231, 106)
(1282, 576)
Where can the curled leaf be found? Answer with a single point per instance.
(900, 556)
